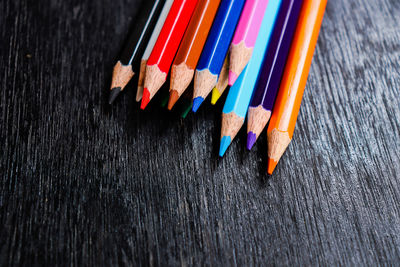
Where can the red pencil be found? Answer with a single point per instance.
(165, 48)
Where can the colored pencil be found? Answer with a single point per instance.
(127, 63)
(215, 49)
(165, 48)
(189, 51)
(222, 82)
(239, 95)
(271, 73)
(150, 45)
(245, 37)
(287, 104)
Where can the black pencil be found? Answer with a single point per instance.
(129, 59)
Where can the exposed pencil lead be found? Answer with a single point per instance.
(164, 100)
(225, 142)
(271, 166)
(251, 139)
(215, 96)
(196, 103)
(113, 94)
(173, 97)
(186, 109)
(145, 98)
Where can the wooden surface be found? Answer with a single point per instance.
(83, 183)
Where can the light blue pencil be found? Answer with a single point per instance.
(239, 96)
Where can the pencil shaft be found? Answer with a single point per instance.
(171, 34)
(196, 34)
(272, 69)
(157, 29)
(134, 48)
(290, 94)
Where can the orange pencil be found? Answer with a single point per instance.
(190, 49)
(287, 104)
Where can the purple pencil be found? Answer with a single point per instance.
(271, 73)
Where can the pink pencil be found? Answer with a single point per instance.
(245, 36)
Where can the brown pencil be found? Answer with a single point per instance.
(190, 49)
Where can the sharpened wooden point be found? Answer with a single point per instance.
(240, 55)
(153, 80)
(231, 124)
(204, 82)
(278, 141)
(142, 73)
(257, 119)
(122, 74)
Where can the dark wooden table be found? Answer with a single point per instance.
(84, 183)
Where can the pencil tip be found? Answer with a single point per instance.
(186, 110)
(232, 78)
(225, 142)
(215, 96)
(271, 166)
(173, 97)
(196, 103)
(113, 94)
(164, 100)
(139, 93)
(145, 98)
(251, 139)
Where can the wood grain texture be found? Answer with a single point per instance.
(84, 183)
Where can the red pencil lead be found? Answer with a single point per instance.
(145, 98)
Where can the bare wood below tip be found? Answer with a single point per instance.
(240, 55)
(204, 82)
(223, 78)
(257, 119)
(277, 143)
(122, 74)
(142, 74)
(154, 79)
(231, 124)
(181, 76)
